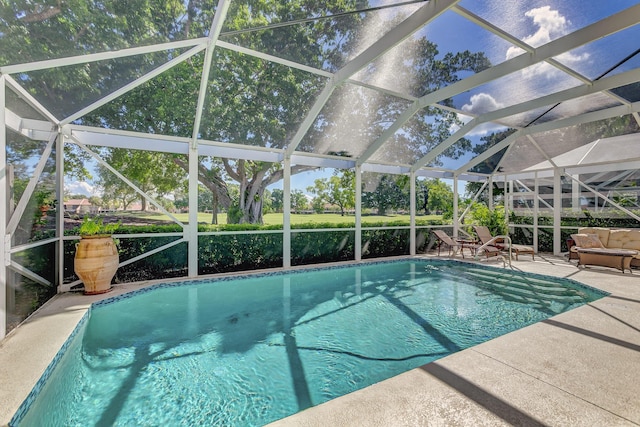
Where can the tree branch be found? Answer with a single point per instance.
(43, 14)
(279, 174)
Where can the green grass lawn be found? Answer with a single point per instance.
(276, 218)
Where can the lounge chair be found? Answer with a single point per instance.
(443, 238)
(488, 251)
(484, 235)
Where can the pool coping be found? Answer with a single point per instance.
(19, 374)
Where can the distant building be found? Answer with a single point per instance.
(80, 206)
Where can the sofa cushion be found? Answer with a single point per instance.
(624, 239)
(587, 241)
(603, 233)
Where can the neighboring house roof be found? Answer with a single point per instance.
(77, 202)
(78, 206)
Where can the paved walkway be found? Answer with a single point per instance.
(580, 368)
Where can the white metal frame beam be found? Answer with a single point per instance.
(607, 26)
(395, 36)
(191, 231)
(102, 56)
(474, 199)
(603, 28)
(134, 84)
(60, 162)
(440, 148)
(13, 265)
(126, 180)
(214, 33)
(604, 84)
(495, 116)
(577, 170)
(12, 225)
(617, 178)
(272, 58)
(515, 41)
(170, 144)
(558, 124)
(29, 99)
(593, 190)
(358, 225)
(32, 129)
(286, 213)
(5, 256)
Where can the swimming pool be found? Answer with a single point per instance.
(248, 351)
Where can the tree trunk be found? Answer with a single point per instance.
(425, 192)
(251, 195)
(253, 212)
(214, 209)
(212, 181)
(253, 183)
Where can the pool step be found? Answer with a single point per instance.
(520, 281)
(528, 297)
(517, 288)
(524, 297)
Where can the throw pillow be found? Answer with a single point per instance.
(594, 241)
(587, 241)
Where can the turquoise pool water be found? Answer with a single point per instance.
(248, 351)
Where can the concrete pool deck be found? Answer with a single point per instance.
(580, 368)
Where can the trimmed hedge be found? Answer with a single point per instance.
(243, 252)
(249, 251)
(322, 246)
(238, 252)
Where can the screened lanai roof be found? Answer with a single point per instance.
(440, 88)
(605, 151)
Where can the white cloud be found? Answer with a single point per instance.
(551, 25)
(486, 128)
(481, 103)
(547, 25)
(81, 187)
(514, 51)
(570, 58)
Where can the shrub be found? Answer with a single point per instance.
(250, 251)
(95, 227)
(493, 219)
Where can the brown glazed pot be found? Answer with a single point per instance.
(96, 262)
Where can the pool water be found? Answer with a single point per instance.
(248, 351)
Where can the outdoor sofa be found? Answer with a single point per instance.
(598, 245)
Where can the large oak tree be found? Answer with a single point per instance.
(249, 100)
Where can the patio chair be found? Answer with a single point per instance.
(443, 238)
(484, 235)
